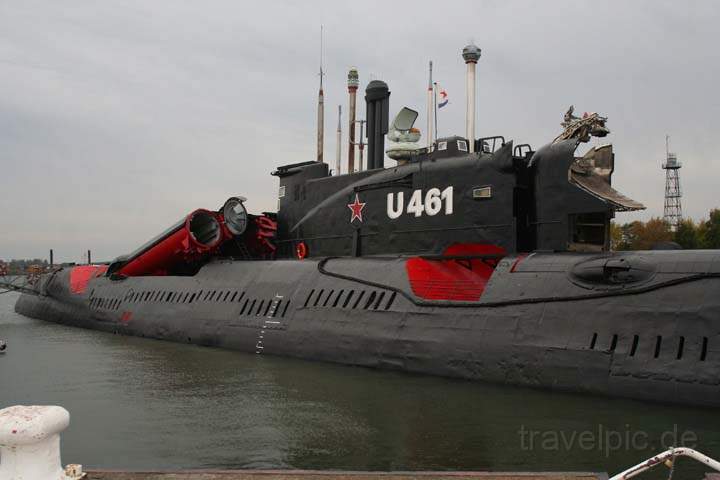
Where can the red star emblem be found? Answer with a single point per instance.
(356, 209)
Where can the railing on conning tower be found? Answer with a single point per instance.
(672, 162)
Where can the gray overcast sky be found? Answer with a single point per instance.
(119, 117)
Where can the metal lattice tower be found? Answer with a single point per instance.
(673, 194)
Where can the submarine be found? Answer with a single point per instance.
(471, 258)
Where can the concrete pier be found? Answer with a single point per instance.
(330, 475)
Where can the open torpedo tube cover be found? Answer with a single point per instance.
(197, 236)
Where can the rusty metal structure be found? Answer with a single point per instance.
(582, 128)
(353, 81)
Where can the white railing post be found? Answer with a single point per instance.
(30, 442)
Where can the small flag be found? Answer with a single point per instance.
(442, 97)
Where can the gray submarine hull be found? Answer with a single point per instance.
(544, 319)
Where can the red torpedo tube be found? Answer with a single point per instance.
(199, 234)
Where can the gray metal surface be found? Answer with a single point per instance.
(537, 324)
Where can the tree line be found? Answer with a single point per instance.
(20, 267)
(690, 235)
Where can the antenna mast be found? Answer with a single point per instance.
(321, 105)
(338, 152)
(471, 55)
(673, 207)
(430, 108)
(353, 83)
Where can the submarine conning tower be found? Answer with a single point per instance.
(471, 194)
(458, 197)
(510, 197)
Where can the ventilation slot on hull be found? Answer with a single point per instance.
(269, 308)
(348, 298)
(681, 346)
(390, 301)
(242, 310)
(307, 300)
(658, 346)
(260, 307)
(285, 309)
(359, 298)
(330, 294)
(370, 300)
(633, 349)
(317, 299)
(105, 303)
(380, 299)
(337, 299)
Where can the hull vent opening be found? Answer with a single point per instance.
(681, 346)
(307, 300)
(390, 301)
(359, 298)
(379, 300)
(370, 300)
(633, 349)
(613, 345)
(260, 307)
(348, 298)
(317, 299)
(337, 299)
(658, 346)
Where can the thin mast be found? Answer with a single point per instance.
(471, 55)
(435, 108)
(353, 83)
(321, 105)
(430, 109)
(338, 148)
(361, 146)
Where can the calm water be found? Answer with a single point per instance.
(138, 403)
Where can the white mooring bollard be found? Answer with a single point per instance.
(30, 443)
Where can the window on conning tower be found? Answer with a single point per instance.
(588, 231)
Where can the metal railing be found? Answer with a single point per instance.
(667, 458)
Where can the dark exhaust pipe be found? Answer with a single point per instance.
(377, 97)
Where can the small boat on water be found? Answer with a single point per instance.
(3, 346)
